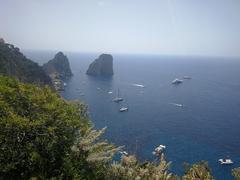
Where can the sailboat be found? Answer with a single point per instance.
(117, 99)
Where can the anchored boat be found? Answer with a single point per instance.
(225, 161)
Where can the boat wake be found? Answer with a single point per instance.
(176, 104)
(138, 85)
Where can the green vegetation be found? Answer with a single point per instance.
(13, 63)
(45, 137)
(198, 171)
(236, 173)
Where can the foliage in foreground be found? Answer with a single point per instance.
(236, 173)
(198, 171)
(43, 136)
(130, 168)
(37, 129)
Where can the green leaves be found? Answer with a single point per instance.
(198, 171)
(236, 173)
(37, 130)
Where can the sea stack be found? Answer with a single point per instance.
(102, 66)
(59, 66)
(59, 70)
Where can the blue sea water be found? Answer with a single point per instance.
(206, 127)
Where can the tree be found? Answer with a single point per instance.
(198, 171)
(37, 130)
(236, 173)
(130, 168)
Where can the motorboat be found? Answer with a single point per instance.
(158, 150)
(123, 109)
(177, 81)
(225, 161)
(124, 153)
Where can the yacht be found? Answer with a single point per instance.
(123, 109)
(177, 81)
(158, 150)
(117, 99)
(225, 161)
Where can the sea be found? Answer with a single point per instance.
(198, 119)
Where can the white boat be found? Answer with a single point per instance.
(110, 92)
(123, 109)
(64, 84)
(124, 153)
(117, 99)
(158, 150)
(225, 161)
(177, 81)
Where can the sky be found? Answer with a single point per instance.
(174, 27)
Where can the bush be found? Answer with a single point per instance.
(37, 130)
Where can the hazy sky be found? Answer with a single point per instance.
(186, 27)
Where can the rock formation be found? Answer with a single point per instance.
(103, 65)
(58, 69)
(59, 66)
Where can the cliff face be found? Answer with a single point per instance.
(14, 64)
(58, 69)
(58, 66)
(101, 66)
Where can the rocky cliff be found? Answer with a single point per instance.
(103, 65)
(14, 64)
(59, 66)
(59, 70)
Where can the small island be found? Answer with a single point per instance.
(102, 66)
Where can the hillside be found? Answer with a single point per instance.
(14, 64)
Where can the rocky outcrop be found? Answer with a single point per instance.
(59, 66)
(58, 69)
(103, 65)
(14, 64)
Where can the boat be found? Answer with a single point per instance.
(225, 161)
(110, 92)
(123, 109)
(158, 150)
(117, 99)
(64, 84)
(177, 81)
(124, 153)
